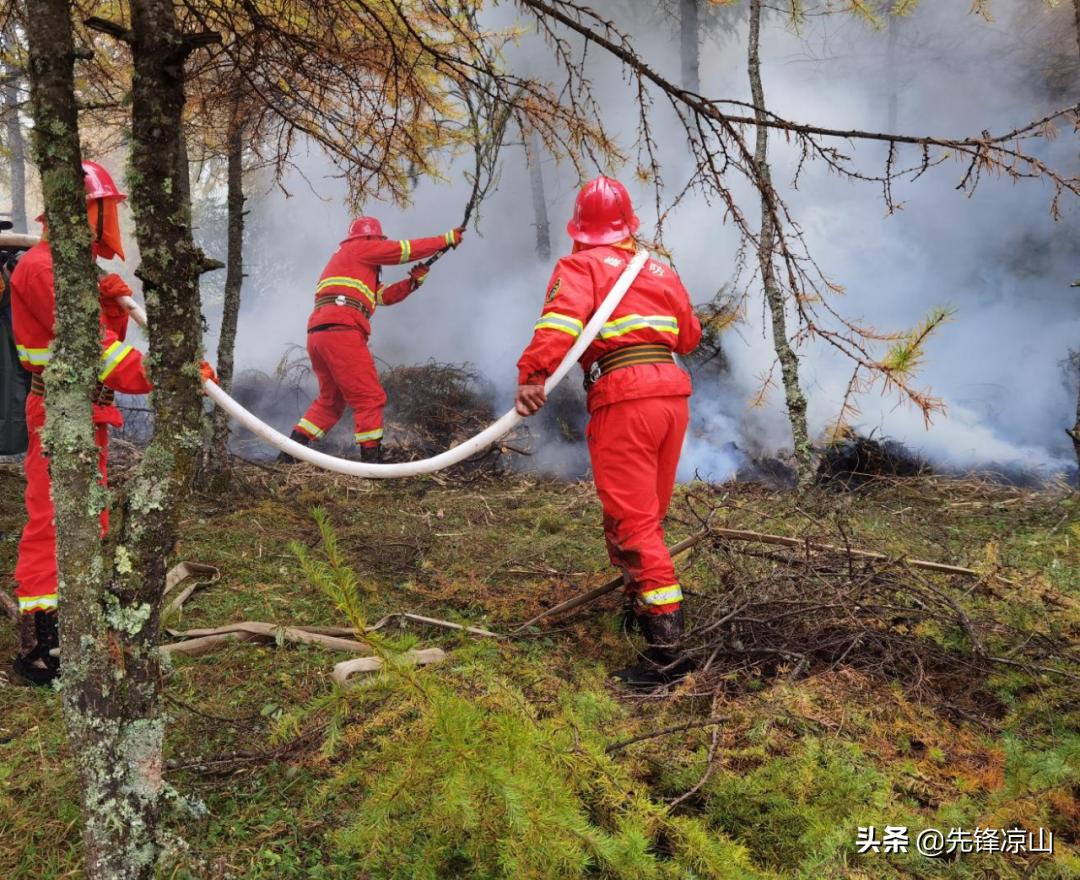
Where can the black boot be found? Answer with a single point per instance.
(663, 661)
(301, 438)
(371, 454)
(38, 661)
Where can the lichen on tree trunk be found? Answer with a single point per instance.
(774, 295)
(110, 600)
(109, 695)
(218, 458)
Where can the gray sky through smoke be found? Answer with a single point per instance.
(998, 258)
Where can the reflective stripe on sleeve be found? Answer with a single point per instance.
(363, 436)
(668, 595)
(562, 323)
(346, 281)
(630, 323)
(37, 603)
(448, 237)
(406, 250)
(112, 357)
(311, 428)
(36, 357)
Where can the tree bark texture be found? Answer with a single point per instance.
(689, 44)
(118, 757)
(774, 295)
(234, 279)
(14, 141)
(1074, 432)
(539, 196)
(111, 602)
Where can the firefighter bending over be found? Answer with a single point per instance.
(33, 312)
(346, 297)
(637, 400)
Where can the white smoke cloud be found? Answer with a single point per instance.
(997, 258)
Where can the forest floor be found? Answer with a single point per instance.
(511, 758)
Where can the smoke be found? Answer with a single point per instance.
(997, 258)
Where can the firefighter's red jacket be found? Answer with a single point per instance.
(655, 310)
(33, 314)
(354, 272)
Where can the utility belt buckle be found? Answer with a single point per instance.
(593, 375)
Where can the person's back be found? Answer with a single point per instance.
(347, 294)
(637, 398)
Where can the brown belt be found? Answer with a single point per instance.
(102, 396)
(341, 299)
(627, 356)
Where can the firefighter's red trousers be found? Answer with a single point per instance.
(35, 570)
(634, 446)
(347, 376)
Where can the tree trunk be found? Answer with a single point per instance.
(1074, 432)
(689, 50)
(16, 147)
(119, 763)
(111, 601)
(774, 295)
(234, 278)
(539, 196)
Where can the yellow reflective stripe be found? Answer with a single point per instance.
(313, 429)
(668, 595)
(448, 237)
(406, 250)
(111, 358)
(630, 323)
(37, 603)
(379, 293)
(361, 436)
(344, 281)
(563, 323)
(36, 356)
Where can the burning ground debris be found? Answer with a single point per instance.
(852, 460)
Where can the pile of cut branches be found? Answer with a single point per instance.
(434, 406)
(774, 611)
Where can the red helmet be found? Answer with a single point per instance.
(365, 227)
(602, 213)
(99, 183)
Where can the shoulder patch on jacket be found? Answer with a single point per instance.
(554, 290)
(656, 269)
(614, 261)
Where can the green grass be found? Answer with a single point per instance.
(493, 764)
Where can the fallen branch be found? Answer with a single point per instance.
(814, 547)
(434, 621)
(612, 585)
(664, 731)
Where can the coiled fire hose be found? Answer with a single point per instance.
(452, 456)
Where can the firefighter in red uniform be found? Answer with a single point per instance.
(348, 292)
(637, 400)
(121, 369)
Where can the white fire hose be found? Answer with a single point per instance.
(452, 456)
